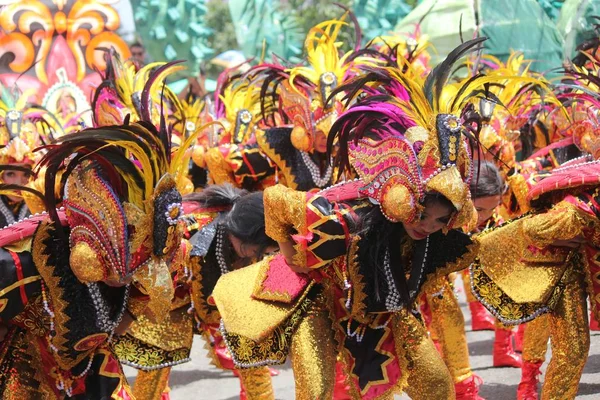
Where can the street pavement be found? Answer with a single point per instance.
(199, 380)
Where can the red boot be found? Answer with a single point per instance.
(481, 320)
(504, 354)
(468, 389)
(273, 372)
(528, 387)
(519, 338)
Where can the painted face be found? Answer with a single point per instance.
(485, 207)
(434, 217)
(15, 178)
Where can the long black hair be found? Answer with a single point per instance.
(245, 218)
(380, 236)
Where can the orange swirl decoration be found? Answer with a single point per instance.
(54, 44)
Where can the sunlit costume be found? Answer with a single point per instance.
(535, 277)
(298, 112)
(356, 300)
(75, 273)
(234, 156)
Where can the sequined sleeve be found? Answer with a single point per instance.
(19, 282)
(320, 229)
(564, 221)
(285, 212)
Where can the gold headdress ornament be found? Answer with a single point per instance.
(238, 107)
(519, 93)
(306, 95)
(23, 127)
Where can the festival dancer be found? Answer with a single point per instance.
(226, 232)
(86, 270)
(297, 104)
(558, 237)
(234, 156)
(340, 278)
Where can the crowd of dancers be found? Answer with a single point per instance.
(317, 212)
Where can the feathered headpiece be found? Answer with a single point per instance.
(23, 127)
(521, 96)
(303, 94)
(579, 91)
(127, 92)
(408, 137)
(237, 106)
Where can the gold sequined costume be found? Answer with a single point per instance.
(536, 278)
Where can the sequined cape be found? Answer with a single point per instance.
(323, 231)
(149, 345)
(28, 365)
(524, 276)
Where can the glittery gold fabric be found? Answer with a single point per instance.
(449, 324)
(513, 263)
(240, 317)
(174, 332)
(150, 385)
(219, 170)
(257, 383)
(564, 221)
(313, 355)
(570, 342)
(284, 208)
(535, 339)
(466, 277)
(428, 376)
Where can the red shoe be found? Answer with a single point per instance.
(594, 326)
(468, 389)
(481, 320)
(504, 354)
(519, 338)
(528, 387)
(273, 372)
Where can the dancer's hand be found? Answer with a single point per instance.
(573, 243)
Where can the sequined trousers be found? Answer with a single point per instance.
(448, 327)
(255, 383)
(314, 353)
(569, 340)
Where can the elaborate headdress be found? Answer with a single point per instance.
(522, 100)
(409, 139)
(303, 93)
(23, 127)
(237, 106)
(127, 92)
